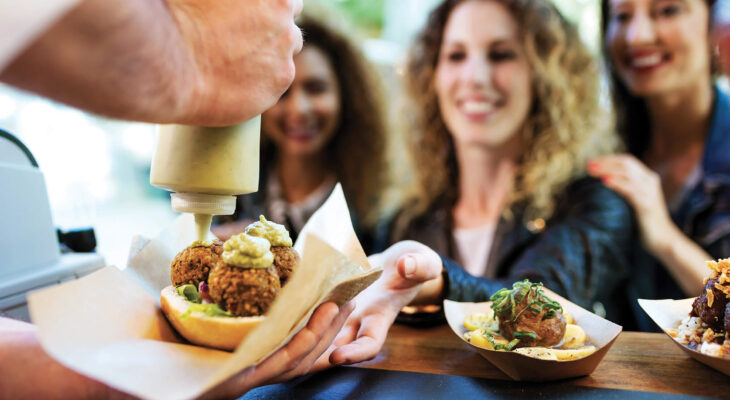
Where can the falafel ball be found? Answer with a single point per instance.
(244, 292)
(193, 265)
(286, 259)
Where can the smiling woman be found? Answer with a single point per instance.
(307, 115)
(506, 112)
(327, 127)
(674, 121)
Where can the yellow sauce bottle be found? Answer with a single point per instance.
(207, 167)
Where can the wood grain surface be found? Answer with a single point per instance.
(636, 361)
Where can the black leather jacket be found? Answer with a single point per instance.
(581, 253)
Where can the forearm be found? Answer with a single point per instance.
(26, 371)
(685, 260)
(123, 59)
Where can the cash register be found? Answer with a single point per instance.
(30, 255)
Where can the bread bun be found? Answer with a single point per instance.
(219, 332)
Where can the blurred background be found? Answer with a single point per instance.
(97, 170)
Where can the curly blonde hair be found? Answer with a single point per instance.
(566, 126)
(358, 149)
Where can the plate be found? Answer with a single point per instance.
(668, 314)
(600, 332)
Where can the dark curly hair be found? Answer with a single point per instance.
(358, 149)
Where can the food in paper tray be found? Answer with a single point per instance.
(220, 290)
(523, 319)
(707, 328)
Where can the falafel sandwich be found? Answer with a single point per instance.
(220, 290)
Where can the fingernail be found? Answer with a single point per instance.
(409, 266)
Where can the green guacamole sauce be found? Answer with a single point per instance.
(275, 233)
(246, 251)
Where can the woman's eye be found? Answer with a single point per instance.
(502, 55)
(621, 16)
(456, 56)
(315, 87)
(670, 10)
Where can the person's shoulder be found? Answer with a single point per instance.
(590, 188)
(586, 194)
(405, 224)
(588, 205)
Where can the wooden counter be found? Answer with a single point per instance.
(636, 361)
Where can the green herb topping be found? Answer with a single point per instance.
(505, 302)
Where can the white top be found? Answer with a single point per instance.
(473, 247)
(21, 22)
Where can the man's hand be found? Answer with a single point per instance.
(197, 62)
(409, 268)
(292, 360)
(28, 372)
(243, 51)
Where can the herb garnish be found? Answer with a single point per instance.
(506, 300)
(190, 293)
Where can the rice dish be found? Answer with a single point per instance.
(696, 335)
(707, 328)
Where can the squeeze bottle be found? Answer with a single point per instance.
(206, 168)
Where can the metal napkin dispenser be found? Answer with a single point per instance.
(29, 252)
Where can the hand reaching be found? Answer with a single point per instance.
(408, 268)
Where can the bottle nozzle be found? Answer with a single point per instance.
(198, 203)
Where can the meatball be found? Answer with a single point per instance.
(285, 260)
(192, 265)
(548, 331)
(244, 292)
(713, 315)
